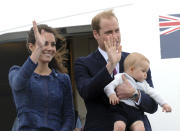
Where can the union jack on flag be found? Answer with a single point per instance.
(170, 35)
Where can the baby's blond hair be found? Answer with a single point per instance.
(134, 59)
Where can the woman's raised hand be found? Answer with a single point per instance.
(40, 39)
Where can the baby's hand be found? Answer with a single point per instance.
(113, 99)
(166, 108)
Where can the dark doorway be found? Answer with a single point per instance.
(10, 54)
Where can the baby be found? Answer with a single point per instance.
(136, 67)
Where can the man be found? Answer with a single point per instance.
(94, 72)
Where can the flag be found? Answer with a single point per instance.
(170, 36)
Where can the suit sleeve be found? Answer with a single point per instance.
(89, 86)
(147, 104)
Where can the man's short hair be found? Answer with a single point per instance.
(96, 20)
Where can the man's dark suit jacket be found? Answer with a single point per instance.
(91, 77)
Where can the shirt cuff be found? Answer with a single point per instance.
(139, 100)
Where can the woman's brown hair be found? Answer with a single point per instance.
(60, 58)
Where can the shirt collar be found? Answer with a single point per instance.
(103, 53)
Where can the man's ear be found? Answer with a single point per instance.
(95, 34)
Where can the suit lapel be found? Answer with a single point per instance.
(102, 62)
(100, 59)
(121, 66)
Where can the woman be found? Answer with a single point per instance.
(42, 95)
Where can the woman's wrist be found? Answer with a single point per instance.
(35, 54)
